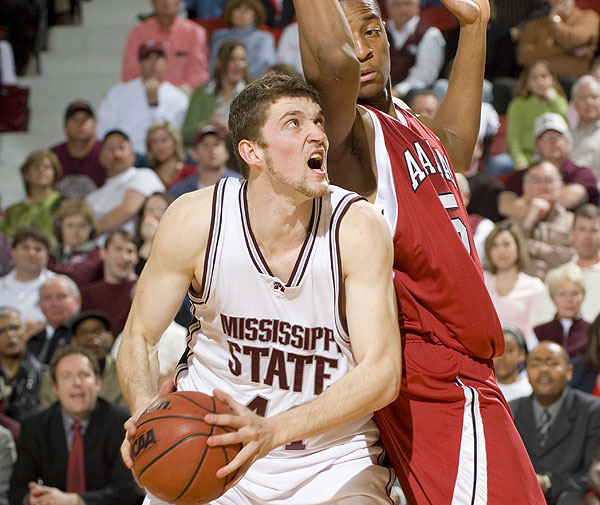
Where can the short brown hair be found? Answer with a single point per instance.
(37, 156)
(68, 350)
(248, 112)
(73, 207)
(31, 232)
(124, 234)
(255, 5)
(515, 230)
(588, 211)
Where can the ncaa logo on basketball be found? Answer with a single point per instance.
(142, 442)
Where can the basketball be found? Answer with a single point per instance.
(169, 452)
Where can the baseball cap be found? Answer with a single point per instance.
(151, 46)
(207, 130)
(78, 106)
(550, 121)
(90, 314)
(117, 132)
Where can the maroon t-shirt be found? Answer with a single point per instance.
(112, 299)
(80, 175)
(571, 174)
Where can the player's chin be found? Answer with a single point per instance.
(370, 89)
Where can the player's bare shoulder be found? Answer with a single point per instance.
(364, 235)
(183, 231)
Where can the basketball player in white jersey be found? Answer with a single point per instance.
(295, 318)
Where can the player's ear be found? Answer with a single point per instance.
(249, 152)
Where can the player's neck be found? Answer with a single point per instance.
(381, 101)
(279, 225)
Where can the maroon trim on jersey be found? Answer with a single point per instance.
(214, 233)
(308, 246)
(254, 250)
(248, 237)
(183, 363)
(336, 259)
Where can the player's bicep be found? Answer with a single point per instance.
(371, 312)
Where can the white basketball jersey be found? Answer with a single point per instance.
(272, 344)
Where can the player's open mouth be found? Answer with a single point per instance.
(315, 162)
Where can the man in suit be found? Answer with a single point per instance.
(60, 301)
(560, 427)
(49, 438)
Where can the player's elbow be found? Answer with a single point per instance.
(390, 379)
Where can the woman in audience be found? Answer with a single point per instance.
(566, 286)
(148, 218)
(586, 368)
(512, 380)
(165, 154)
(515, 294)
(243, 17)
(537, 91)
(39, 172)
(76, 254)
(210, 103)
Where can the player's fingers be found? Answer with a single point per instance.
(244, 458)
(129, 427)
(126, 453)
(168, 385)
(238, 408)
(235, 422)
(232, 438)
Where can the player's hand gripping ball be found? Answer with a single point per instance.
(169, 451)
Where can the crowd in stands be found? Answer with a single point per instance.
(72, 249)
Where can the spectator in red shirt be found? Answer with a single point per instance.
(185, 42)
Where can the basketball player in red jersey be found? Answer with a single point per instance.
(450, 434)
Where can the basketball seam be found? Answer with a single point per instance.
(171, 416)
(169, 450)
(198, 467)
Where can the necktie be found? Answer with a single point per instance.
(544, 426)
(76, 464)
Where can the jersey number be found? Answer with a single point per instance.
(259, 405)
(449, 202)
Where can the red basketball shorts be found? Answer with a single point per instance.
(450, 434)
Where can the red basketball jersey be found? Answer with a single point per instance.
(438, 278)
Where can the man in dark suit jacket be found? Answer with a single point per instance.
(60, 301)
(560, 427)
(43, 451)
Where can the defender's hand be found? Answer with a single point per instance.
(469, 12)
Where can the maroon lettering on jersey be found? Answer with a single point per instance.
(235, 367)
(320, 372)
(255, 355)
(276, 368)
(299, 361)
